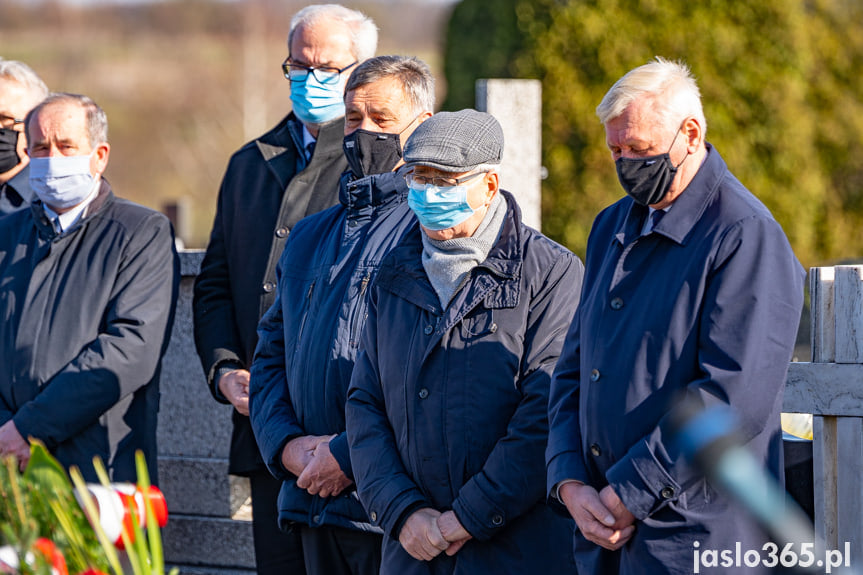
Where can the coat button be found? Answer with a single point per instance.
(667, 492)
(424, 393)
(428, 329)
(282, 233)
(595, 450)
(269, 287)
(616, 303)
(497, 520)
(373, 516)
(595, 375)
(316, 519)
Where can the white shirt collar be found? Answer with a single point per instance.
(308, 138)
(71, 217)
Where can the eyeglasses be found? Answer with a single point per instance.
(7, 122)
(420, 182)
(323, 74)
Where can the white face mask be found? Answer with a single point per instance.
(61, 182)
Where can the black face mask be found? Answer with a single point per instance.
(647, 180)
(8, 149)
(371, 152)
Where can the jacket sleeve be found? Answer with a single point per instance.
(748, 325)
(217, 336)
(385, 488)
(564, 458)
(270, 410)
(512, 479)
(126, 354)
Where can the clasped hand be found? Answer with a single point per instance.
(317, 471)
(428, 532)
(601, 516)
(12, 443)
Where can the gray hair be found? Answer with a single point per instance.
(671, 86)
(364, 32)
(24, 75)
(413, 74)
(97, 121)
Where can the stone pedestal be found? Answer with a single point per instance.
(517, 105)
(209, 528)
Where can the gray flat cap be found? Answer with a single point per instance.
(455, 141)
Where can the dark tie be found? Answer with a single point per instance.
(655, 218)
(310, 150)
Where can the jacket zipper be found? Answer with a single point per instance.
(306, 313)
(360, 309)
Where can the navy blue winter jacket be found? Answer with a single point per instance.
(308, 339)
(447, 407)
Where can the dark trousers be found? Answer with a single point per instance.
(332, 550)
(276, 552)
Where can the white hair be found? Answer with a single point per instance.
(671, 86)
(24, 75)
(364, 32)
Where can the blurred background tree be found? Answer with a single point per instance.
(784, 105)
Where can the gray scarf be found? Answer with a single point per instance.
(448, 262)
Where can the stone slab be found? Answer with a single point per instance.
(191, 422)
(517, 105)
(199, 486)
(208, 542)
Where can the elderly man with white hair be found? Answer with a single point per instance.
(270, 184)
(691, 289)
(20, 90)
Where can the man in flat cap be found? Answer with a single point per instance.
(446, 413)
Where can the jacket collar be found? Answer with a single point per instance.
(43, 224)
(403, 273)
(686, 210)
(282, 146)
(370, 191)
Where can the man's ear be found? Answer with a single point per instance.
(493, 181)
(694, 133)
(100, 158)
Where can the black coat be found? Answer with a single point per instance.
(263, 194)
(85, 318)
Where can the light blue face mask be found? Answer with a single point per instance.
(316, 103)
(61, 181)
(438, 208)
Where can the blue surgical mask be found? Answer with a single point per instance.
(316, 103)
(439, 208)
(61, 181)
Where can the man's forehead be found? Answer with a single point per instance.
(383, 94)
(65, 118)
(322, 42)
(15, 99)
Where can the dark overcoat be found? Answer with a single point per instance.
(447, 406)
(85, 318)
(708, 302)
(267, 188)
